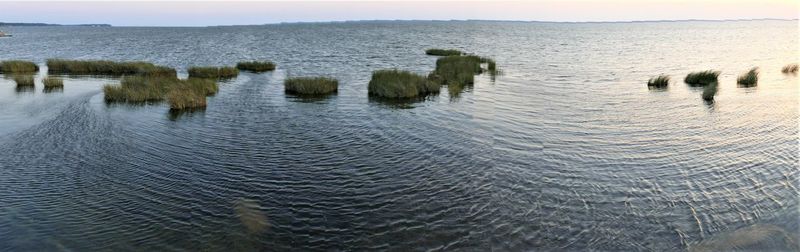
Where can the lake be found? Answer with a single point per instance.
(566, 149)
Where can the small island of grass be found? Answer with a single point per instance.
(748, 79)
(400, 84)
(791, 68)
(701, 78)
(661, 81)
(53, 82)
(18, 66)
(111, 68)
(213, 72)
(24, 80)
(256, 66)
(443, 52)
(181, 94)
(311, 85)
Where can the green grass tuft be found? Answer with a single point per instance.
(400, 84)
(459, 70)
(662, 81)
(256, 66)
(24, 80)
(111, 68)
(701, 78)
(748, 79)
(709, 91)
(213, 72)
(137, 89)
(18, 66)
(443, 52)
(791, 68)
(186, 97)
(53, 82)
(311, 85)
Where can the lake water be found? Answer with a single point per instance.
(567, 149)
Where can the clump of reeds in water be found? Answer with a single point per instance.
(709, 91)
(458, 72)
(24, 80)
(53, 82)
(213, 72)
(256, 66)
(748, 79)
(791, 68)
(311, 85)
(105, 67)
(184, 97)
(181, 94)
(701, 78)
(400, 84)
(661, 81)
(18, 66)
(443, 52)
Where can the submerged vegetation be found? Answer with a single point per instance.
(53, 82)
(400, 84)
(701, 78)
(213, 72)
(24, 80)
(443, 52)
(105, 67)
(256, 66)
(748, 79)
(709, 91)
(181, 94)
(18, 66)
(662, 81)
(311, 85)
(791, 68)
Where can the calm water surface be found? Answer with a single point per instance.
(566, 150)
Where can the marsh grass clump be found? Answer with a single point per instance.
(311, 85)
(213, 72)
(701, 78)
(24, 80)
(661, 81)
(748, 79)
(18, 66)
(443, 52)
(460, 70)
(256, 66)
(709, 91)
(400, 84)
(139, 89)
(791, 68)
(185, 97)
(111, 68)
(53, 82)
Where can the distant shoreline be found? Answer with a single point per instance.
(420, 20)
(45, 24)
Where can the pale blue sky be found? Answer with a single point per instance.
(188, 13)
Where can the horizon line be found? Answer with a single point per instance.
(420, 20)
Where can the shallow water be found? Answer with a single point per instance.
(566, 150)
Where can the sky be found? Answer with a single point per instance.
(194, 13)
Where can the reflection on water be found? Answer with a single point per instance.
(758, 237)
(567, 150)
